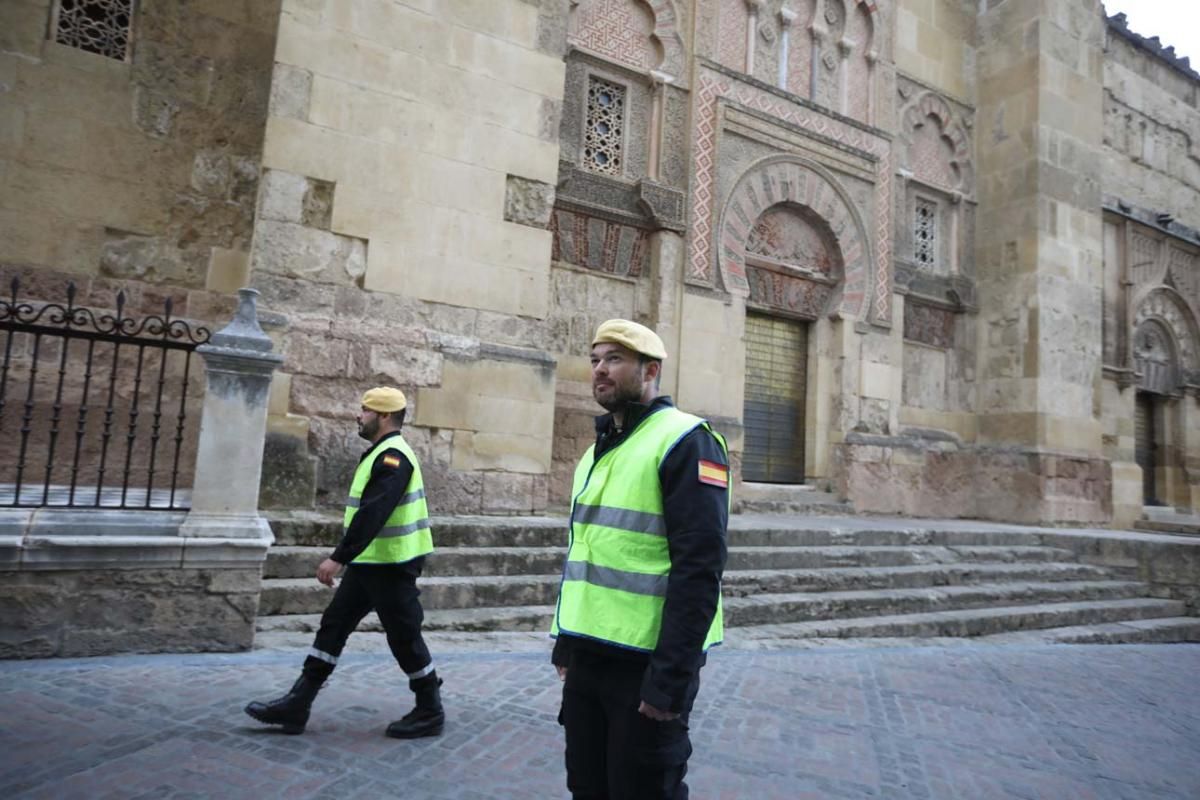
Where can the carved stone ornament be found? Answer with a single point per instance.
(1164, 327)
(832, 232)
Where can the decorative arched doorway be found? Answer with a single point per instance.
(792, 242)
(1164, 354)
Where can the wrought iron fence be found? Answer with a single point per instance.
(93, 376)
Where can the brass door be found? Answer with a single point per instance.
(1145, 452)
(776, 362)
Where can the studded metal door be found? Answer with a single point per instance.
(1143, 445)
(776, 360)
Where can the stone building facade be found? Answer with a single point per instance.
(938, 257)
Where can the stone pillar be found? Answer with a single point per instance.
(786, 18)
(752, 9)
(239, 363)
(1040, 248)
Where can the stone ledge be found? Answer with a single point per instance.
(55, 539)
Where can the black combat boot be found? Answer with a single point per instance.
(427, 718)
(291, 710)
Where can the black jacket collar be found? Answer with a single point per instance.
(607, 435)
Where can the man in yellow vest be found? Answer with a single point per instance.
(382, 551)
(640, 602)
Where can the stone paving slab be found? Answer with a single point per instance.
(1106, 722)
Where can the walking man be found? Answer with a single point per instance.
(640, 602)
(382, 551)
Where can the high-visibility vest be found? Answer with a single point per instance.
(405, 534)
(618, 563)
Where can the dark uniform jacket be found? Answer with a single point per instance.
(380, 497)
(696, 516)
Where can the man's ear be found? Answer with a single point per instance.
(652, 370)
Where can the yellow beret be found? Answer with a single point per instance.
(384, 399)
(637, 338)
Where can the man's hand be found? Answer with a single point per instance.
(562, 672)
(647, 710)
(328, 570)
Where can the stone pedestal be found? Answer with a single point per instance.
(233, 428)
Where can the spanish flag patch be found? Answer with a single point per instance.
(714, 474)
(391, 460)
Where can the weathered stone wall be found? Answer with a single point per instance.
(1151, 188)
(936, 476)
(143, 170)
(78, 613)
(410, 160)
(1151, 128)
(83, 583)
(136, 175)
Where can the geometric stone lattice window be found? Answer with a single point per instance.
(98, 26)
(604, 131)
(925, 234)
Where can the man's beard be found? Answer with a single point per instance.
(368, 430)
(620, 397)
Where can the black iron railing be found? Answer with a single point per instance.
(60, 363)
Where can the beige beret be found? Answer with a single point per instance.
(384, 399)
(637, 338)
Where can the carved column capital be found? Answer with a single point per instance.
(787, 17)
(660, 79)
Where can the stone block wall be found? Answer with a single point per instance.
(410, 160)
(1151, 190)
(79, 613)
(1151, 114)
(85, 583)
(936, 42)
(936, 476)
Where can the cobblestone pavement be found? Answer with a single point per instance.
(1061, 722)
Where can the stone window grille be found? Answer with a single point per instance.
(605, 127)
(103, 27)
(925, 234)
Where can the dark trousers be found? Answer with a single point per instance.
(613, 752)
(391, 591)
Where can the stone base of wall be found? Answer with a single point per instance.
(88, 583)
(925, 477)
(72, 613)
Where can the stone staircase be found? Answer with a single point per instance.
(1168, 520)
(788, 579)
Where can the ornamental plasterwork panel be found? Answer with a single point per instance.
(867, 294)
(783, 233)
(1154, 357)
(1147, 267)
(1183, 270)
(640, 34)
(937, 140)
(618, 30)
(791, 182)
(1168, 308)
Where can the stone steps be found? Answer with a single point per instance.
(511, 618)
(306, 596)
(294, 561)
(769, 609)
(788, 578)
(972, 622)
(324, 529)
(291, 561)
(1161, 630)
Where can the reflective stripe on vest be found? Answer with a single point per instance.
(618, 563)
(405, 534)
